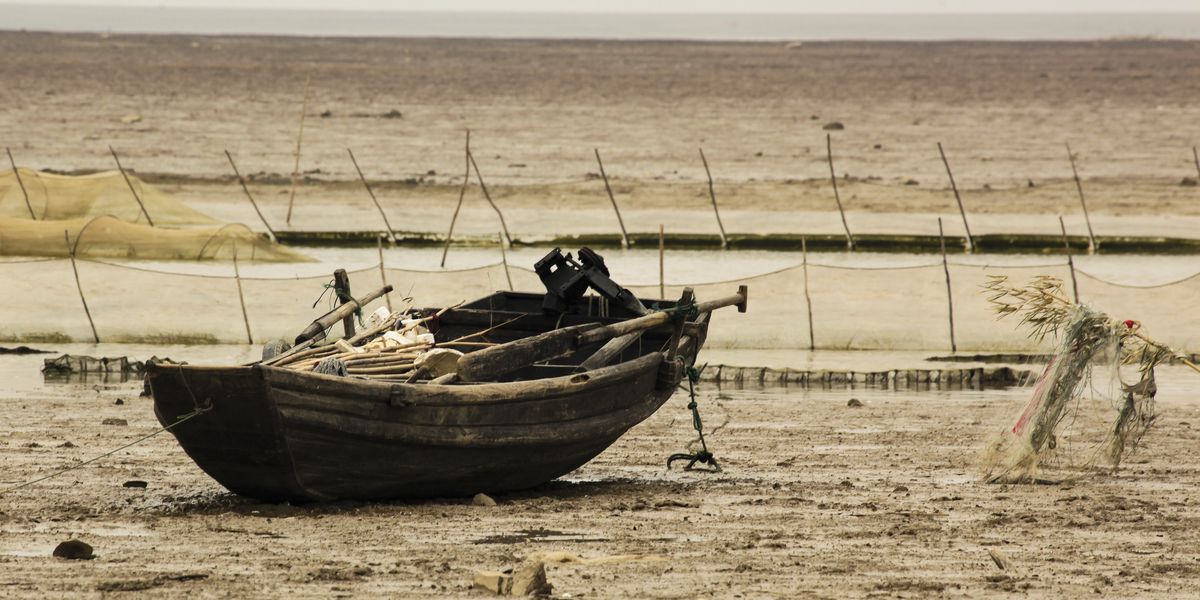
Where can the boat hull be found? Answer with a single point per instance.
(283, 435)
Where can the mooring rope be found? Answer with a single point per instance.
(178, 421)
(703, 455)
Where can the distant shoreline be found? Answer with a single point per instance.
(602, 26)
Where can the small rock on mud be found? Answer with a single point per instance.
(116, 422)
(74, 550)
(854, 403)
(483, 500)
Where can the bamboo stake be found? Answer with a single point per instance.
(957, 198)
(383, 275)
(17, 174)
(130, 184)
(79, 286)
(712, 194)
(812, 343)
(1070, 259)
(299, 141)
(608, 188)
(237, 276)
(504, 259)
(250, 197)
(1092, 246)
(662, 282)
(461, 194)
(488, 196)
(949, 296)
(837, 197)
(361, 177)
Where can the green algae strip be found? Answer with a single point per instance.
(988, 243)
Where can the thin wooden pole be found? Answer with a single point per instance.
(812, 343)
(1070, 259)
(17, 174)
(487, 195)
(130, 184)
(837, 197)
(949, 296)
(712, 194)
(461, 194)
(79, 286)
(341, 287)
(237, 276)
(391, 232)
(299, 142)
(504, 259)
(662, 245)
(1092, 247)
(957, 198)
(608, 188)
(250, 197)
(383, 275)
(1195, 157)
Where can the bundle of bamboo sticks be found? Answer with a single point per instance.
(399, 348)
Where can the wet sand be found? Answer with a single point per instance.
(817, 500)
(537, 109)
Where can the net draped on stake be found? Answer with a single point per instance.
(61, 197)
(109, 237)
(1094, 401)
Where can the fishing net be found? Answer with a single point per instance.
(109, 237)
(59, 197)
(1095, 399)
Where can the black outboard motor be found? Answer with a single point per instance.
(566, 280)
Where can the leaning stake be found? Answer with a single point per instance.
(79, 286)
(1092, 247)
(488, 196)
(461, 194)
(662, 282)
(237, 276)
(836, 196)
(130, 184)
(361, 177)
(958, 199)
(1070, 259)
(17, 174)
(249, 197)
(608, 188)
(383, 274)
(299, 141)
(812, 343)
(949, 297)
(713, 195)
(504, 259)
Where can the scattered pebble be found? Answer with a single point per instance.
(119, 402)
(117, 422)
(392, 114)
(900, 489)
(74, 550)
(66, 444)
(1189, 182)
(134, 483)
(483, 500)
(834, 126)
(530, 580)
(998, 558)
(854, 403)
(912, 182)
(131, 119)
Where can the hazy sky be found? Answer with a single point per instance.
(684, 6)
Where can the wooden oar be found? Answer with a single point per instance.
(316, 330)
(491, 363)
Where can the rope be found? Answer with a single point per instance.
(703, 455)
(180, 420)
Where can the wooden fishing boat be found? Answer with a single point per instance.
(279, 434)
